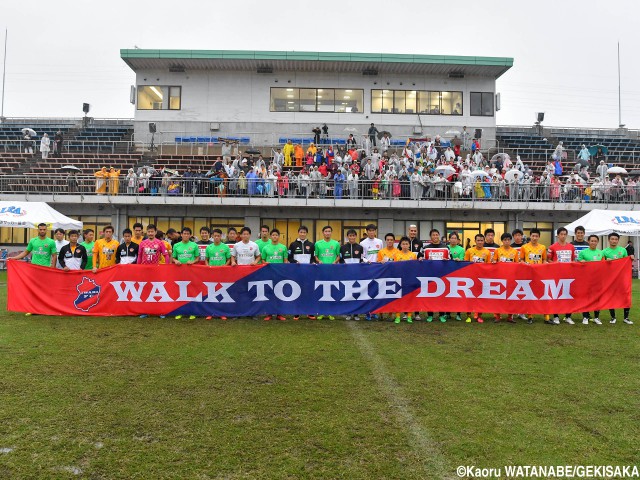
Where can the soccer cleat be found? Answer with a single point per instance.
(223, 318)
(331, 317)
(178, 317)
(356, 318)
(585, 320)
(549, 322)
(613, 321)
(458, 318)
(192, 317)
(530, 321)
(141, 316)
(311, 317)
(367, 317)
(569, 321)
(348, 317)
(443, 318)
(208, 318)
(29, 314)
(409, 320)
(429, 319)
(468, 320)
(375, 317)
(163, 316)
(522, 316)
(497, 319)
(296, 317)
(320, 317)
(404, 317)
(418, 318)
(510, 319)
(479, 320)
(556, 320)
(267, 318)
(397, 320)
(282, 318)
(597, 321)
(627, 321)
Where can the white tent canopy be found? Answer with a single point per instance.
(603, 222)
(30, 214)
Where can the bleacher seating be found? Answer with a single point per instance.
(241, 140)
(87, 163)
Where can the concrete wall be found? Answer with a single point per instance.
(240, 101)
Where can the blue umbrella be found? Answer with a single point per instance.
(594, 149)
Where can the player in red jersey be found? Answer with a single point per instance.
(561, 252)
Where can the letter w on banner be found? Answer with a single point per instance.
(327, 289)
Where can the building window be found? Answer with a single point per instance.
(482, 104)
(546, 231)
(467, 231)
(413, 101)
(156, 97)
(316, 100)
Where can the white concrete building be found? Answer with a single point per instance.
(262, 97)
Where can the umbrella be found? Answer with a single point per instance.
(594, 149)
(29, 131)
(447, 170)
(381, 134)
(252, 151)
(583, 162)
(513, 175)
(149, 168)
(350, 129)
(70, 168)
(480, 173)
(452, 133)
(170, 171)
(502, 156)
(619, 170)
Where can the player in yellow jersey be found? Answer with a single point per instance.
(505, 254)
(534, 253)
(403, 255)
(389, 253)
(477, 254)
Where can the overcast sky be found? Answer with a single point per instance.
(65, 53)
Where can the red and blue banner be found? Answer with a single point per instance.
(440, 286)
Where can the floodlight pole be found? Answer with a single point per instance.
(619, 92)
(4, 71)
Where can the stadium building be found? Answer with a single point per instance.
(187, 103)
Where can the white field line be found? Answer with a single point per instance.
(432, 460)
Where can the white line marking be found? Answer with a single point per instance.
(424, 445)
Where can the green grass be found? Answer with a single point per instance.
(150, 399)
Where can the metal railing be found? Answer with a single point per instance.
(295, 187)
(73, 146)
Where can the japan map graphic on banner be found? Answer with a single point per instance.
(443, 286)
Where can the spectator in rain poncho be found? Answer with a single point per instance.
(584, 154)
(602, 169)
(132, 181)
(558, 152)
(520, 164)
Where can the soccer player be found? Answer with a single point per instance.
(456, 252)
(127, 252)
(58, 235)
(171, 236)
(327, 252)
(203, 243)
(167, 244)
(274, 252)
(88, 244)
(245, 252)
(370, 247)
(403, 255)
(614, 252)
(232, 236)
(186, 252)
(591, 254)
(436, 250)
(534, 253)
(104, 250)
(41, 248)
(302, 250)
(73, 256)
(477, 254)
(416, 243)
(137, 233)
(351, 252)
(264, 238)
(489, 241)
(579, 243)
(505, 253)
(390, 252)
(217, 254)
(517, 244)
(561, 252)
(151, 250)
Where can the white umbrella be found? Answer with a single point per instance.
(479, 173)
(503, 156)
(70, 168)
(452, 133)
(29, 131)
(446, 170)
(513, 175)
(350, 129)
(619, 170)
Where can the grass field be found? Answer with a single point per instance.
(133, 398)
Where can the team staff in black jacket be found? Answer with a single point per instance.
(302, 250)
(127, 252)
(351, 252)
(73, 256)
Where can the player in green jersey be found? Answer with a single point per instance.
(327, 252)
(186, 252)
(217, 254)
(274, 252)
(614, 252)
(88, 244)
(41, 248)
